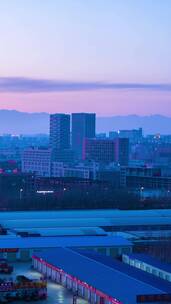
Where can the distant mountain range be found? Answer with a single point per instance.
(15, 122)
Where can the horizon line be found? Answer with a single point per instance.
(99, 116)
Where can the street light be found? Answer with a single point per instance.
(141, 192)
(21, 190)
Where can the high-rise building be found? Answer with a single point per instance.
(83, 126)
(134, 135)
(59, 133)
(122, 151)
(107, 150)
(99, 150)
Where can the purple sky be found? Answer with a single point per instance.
(109, 57)
(103, 102)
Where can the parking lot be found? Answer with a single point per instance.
(56, 293)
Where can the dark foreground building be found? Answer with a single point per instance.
(16, 186)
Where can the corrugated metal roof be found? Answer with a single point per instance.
(127, 269)
(62, 241)
(112, 282)
(64, 231)
(151, 261)
(84, 218)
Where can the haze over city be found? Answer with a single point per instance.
(85, 151)
(108, 57)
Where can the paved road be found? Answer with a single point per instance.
(56, 293)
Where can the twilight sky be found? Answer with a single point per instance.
(105, 56)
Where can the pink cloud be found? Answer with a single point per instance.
(103, 102)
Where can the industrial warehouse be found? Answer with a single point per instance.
(82, 250)
(88, 222)
(18, 248)
(148, 264)
(98, 281)
(148, 230)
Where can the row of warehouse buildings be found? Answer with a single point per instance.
(100, 279)
(95, 254)
(22, 248)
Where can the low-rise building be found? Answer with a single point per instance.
(100, 280)
(22, 248)
(148, 264)
(37, 160)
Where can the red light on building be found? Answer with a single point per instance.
(101, 295)
(154, 298)
(9, 250)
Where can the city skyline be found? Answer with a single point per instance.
(110, 57)
(85, 151)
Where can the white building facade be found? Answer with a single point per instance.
(37, 160)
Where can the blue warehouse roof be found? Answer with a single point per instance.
(111, 281)
(127, 269)
(83, 218)
(53, 242)
(150, 261)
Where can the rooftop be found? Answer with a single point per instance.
(62, 241)
(127, 269)
(63, 231)
(104, 278)
(150, 260)
(84, 218)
